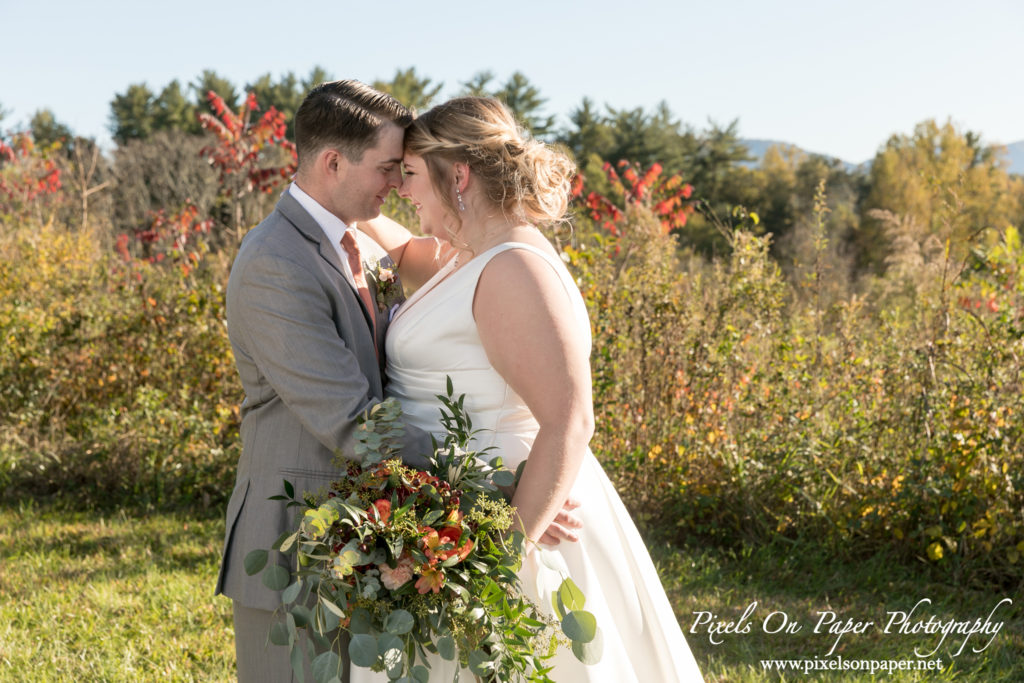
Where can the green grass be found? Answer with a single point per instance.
(88, 596)
(123, 597)
(800, 582)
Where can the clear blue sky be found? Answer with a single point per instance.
(833, 77)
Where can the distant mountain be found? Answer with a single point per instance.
(1015, 155)
(758, 148)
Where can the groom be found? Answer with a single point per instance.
(308, 341)
(307, 337)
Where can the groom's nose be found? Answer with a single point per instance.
(394, 178)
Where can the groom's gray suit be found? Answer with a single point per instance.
(306, 356)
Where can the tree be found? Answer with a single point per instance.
(47, 130)
(590, 133)
(526, 103)
(411, 90)
(316, 76)
(208, 81)
(718, 151)
(478, 85)
(250, 153)
(519, 95)
(164, 171)
(173, 111)
(285, 96)
(942, 180)
(133, 114)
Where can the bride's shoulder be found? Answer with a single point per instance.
(522, 269)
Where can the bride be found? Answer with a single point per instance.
(498, 312)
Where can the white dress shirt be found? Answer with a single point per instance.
(332, 226)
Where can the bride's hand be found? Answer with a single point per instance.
(561, 528)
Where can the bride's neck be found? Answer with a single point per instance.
(486, 232)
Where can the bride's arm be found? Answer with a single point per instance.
(417, 258)
(531, 336)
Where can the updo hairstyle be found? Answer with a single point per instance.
(527, 179)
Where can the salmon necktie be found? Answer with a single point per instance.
(355, 264)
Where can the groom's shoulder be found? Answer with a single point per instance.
(277, 235)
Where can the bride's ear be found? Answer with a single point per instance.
(461, 172)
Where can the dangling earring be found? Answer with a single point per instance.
(458, 195)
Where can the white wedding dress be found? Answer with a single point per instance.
(434, 336)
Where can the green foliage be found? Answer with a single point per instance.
(132, 113)
(165, 171)
(743, 409)
(938, 181)
(117, 377)
(409, 562)
(415, 92)
(47, 130)
(521, 97)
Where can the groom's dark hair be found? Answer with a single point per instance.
(344, 115)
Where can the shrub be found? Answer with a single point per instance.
(735, 407)
(116, 378)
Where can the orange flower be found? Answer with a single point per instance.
(430, 542)
(431, 579)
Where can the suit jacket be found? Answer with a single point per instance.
(305, 354)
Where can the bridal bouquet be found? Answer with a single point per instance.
(410, 562)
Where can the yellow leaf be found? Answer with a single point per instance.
(935, 551)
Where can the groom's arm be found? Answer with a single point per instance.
(284, 319)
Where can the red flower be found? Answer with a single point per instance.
(381, 508)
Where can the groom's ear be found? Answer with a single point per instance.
(332, 161)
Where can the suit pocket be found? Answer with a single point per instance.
(311, 474)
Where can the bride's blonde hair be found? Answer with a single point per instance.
(529, 180)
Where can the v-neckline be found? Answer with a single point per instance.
(445, 273)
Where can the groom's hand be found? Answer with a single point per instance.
(561, 529)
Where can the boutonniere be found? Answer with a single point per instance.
(389, 289)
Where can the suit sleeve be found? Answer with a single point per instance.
(286, 322)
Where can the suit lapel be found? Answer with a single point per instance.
(311, 230)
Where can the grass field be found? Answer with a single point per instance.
(87, 596)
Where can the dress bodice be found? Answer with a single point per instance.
(434, 336)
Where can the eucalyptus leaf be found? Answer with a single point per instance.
(362, 650)
(589, 653)
(275, 577)
(332, 608)
(255, 561)
(480, 663)
(326, 666)
(503, 478)
(446, 647)
(392, 650)
(288, 542)
(389, 642)
(302, 615)
(279, 633)
(298, 665)
(399, 622)
(580, 625)
(292, 591)
(421, 674)
(361, 621)
(571, 595)
(331, 616)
